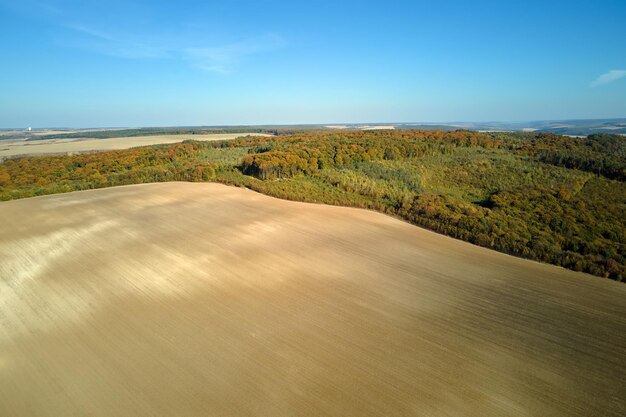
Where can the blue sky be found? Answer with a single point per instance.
(151, 63)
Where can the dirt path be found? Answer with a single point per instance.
(184, 299)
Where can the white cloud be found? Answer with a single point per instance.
(122, 46)
(216, 57)
(127, 39)
(608, 77)
(224, 58)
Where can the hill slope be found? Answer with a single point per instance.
(201, 299)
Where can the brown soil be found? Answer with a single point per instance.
(186, 299)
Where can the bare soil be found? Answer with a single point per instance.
(184, 299)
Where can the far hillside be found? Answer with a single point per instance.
(45, 134)
(576, 127)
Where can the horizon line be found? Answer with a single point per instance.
(368, 123)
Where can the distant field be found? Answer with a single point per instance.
(25, 134)
(362, 127)
(33, 133)
(12, 148)
(185, 299)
